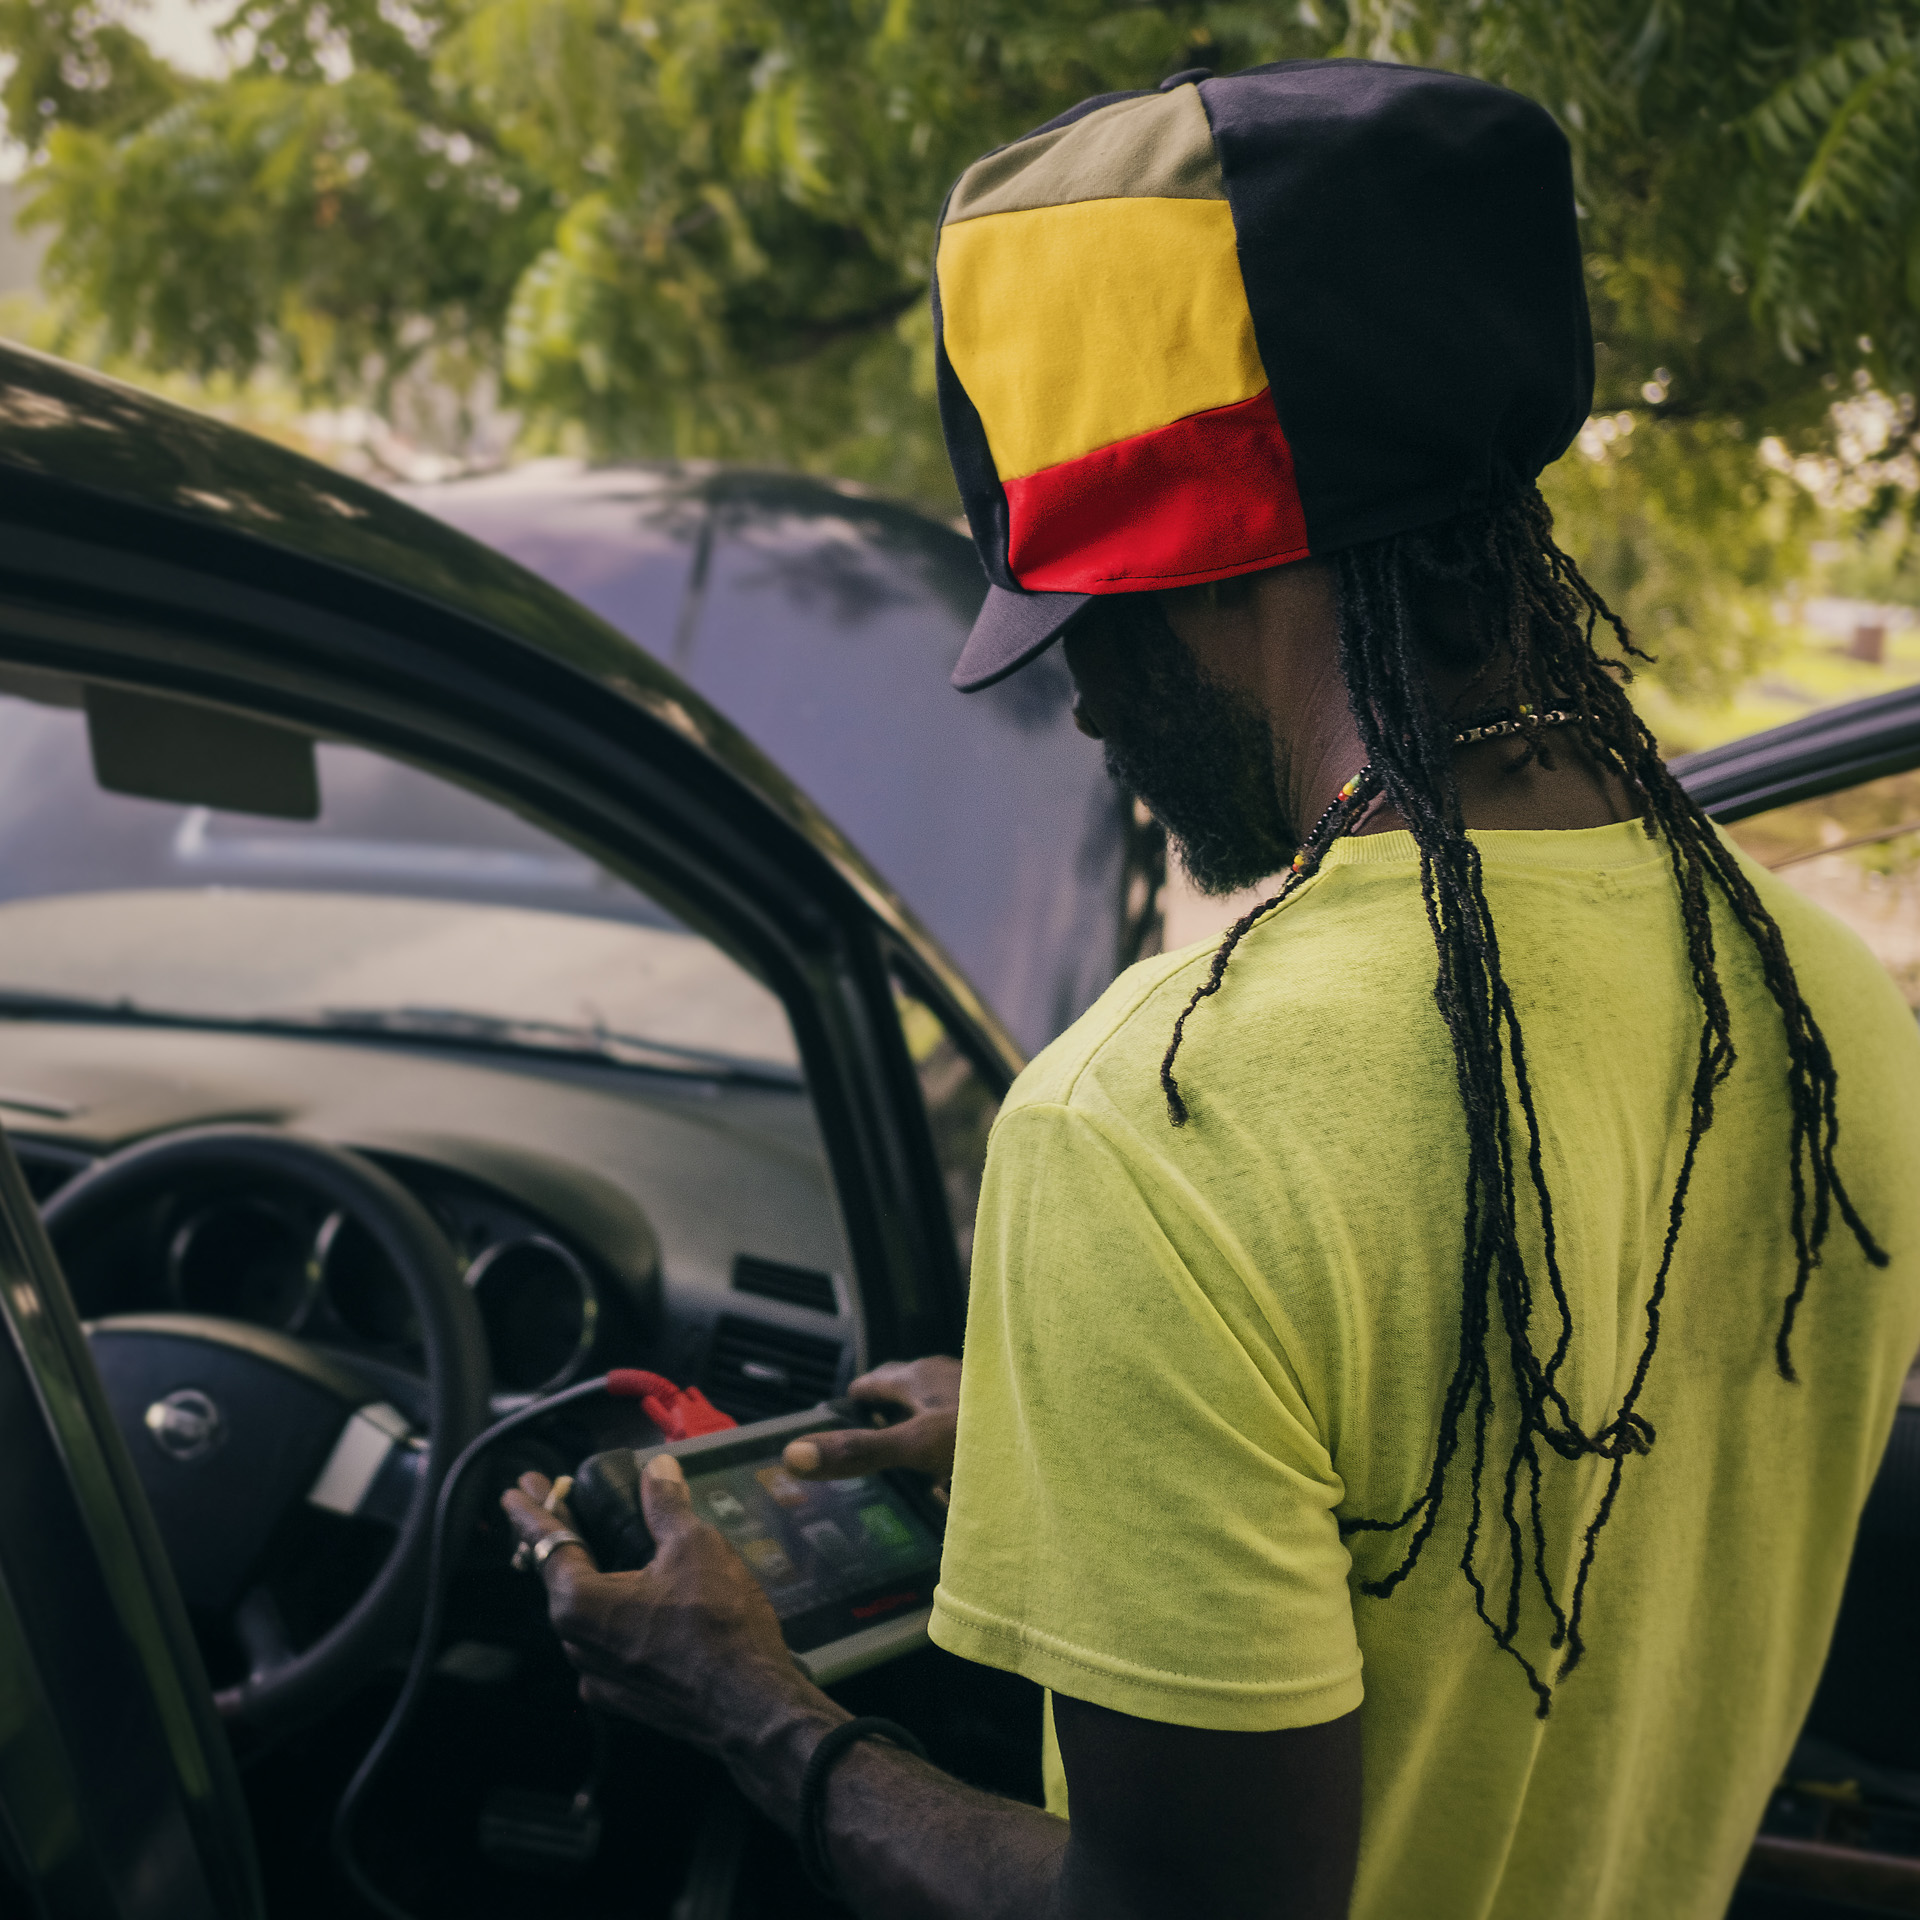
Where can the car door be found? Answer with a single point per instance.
(160, 559)
(118, 1795)
(1831, 804)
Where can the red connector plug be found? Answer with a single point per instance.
(679, 1412)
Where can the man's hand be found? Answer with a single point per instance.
(689, 1644)
(930, 1391)
(1166, 1819)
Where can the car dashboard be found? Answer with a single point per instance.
(603, 1215)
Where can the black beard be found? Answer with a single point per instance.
(1200, 756)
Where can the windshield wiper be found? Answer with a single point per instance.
(445, 1026)
(461, 1027)
(25, 1003)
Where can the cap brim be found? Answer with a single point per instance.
(1012, 629)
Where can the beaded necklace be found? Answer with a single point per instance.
(1359, 793)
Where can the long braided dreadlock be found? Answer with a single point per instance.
(1534, 617)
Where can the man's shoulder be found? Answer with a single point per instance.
(1117, 1025)
(1280, 997)
(1830, 950)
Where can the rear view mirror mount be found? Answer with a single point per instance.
(155, 747)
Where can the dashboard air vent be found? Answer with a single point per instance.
(756, 1370)
(797, 1286)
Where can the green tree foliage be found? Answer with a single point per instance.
(697, 227)
(1751, 220)
(331, 211)
(703, 227)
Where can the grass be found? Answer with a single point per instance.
(1813, 670)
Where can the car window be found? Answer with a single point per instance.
(1857, 853)
(961, 1109)
(602, 1106)
(407, 903)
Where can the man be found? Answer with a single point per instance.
(1425, 1359)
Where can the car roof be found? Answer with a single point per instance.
(82, 431)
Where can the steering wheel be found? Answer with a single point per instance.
(232, 1426)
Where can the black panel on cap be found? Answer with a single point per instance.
(1012, 628)
(1408, 243)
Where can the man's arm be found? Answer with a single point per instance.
(1165, 1820)
(1236, 1825)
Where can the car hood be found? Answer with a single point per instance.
(347, 960)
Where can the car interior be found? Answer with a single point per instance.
(303, 1038)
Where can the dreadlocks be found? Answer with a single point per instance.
(1533, 619)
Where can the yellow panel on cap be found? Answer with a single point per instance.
(1075, 326)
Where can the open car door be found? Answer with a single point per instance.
(118, 1795)
(1831, 803)
(563, 1035)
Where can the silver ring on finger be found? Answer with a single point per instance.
(548, 1543)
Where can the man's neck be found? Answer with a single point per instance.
(1276, 642)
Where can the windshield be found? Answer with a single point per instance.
(407, 906)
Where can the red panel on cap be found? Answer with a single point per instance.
(1203, 499)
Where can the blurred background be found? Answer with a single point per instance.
(431, 239)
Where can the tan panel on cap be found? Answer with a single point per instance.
(1159, 147)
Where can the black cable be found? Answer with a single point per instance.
(423, 1653)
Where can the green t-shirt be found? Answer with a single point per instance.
(1191, 1353)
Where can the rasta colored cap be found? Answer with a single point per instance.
(1228, 324)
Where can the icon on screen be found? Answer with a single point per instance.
(884, 1527)
(782, 1486)
(768, 1559)
(725, 1508)
(826, 1539)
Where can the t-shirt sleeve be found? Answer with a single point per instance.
(1143, 1504)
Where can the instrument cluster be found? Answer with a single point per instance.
(281, 1260)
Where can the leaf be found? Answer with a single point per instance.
(1850, 127)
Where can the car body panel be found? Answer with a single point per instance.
(118, 1795)
(1838, 747)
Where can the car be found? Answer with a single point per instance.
(823, 621)
(1831, 803)
(417, 1001)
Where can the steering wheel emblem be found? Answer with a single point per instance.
(186, 1425)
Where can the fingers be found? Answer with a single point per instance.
(664, 1499)
(888, 1385)
(846, 1452)
(526, 1510)
(931, 1382)
(923, 1444)
(929, 1388)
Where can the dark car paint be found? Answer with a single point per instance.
(1840, 747)
(824, 623)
